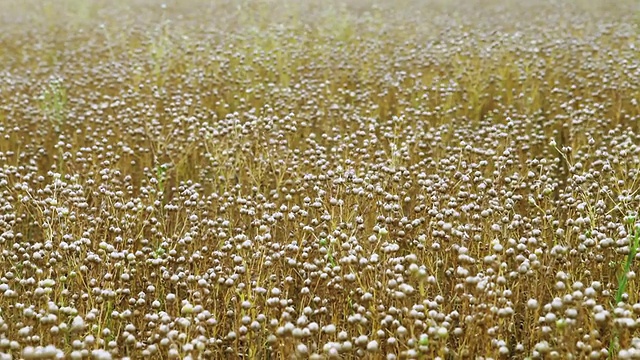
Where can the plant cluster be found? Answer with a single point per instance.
(281, 179)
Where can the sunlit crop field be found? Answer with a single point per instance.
(280, 179)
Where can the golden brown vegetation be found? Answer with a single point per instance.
(284, 179)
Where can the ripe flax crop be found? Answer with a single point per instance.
(320, 179)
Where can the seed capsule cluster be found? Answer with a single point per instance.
(319, 180)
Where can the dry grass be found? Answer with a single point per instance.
(284, 179)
